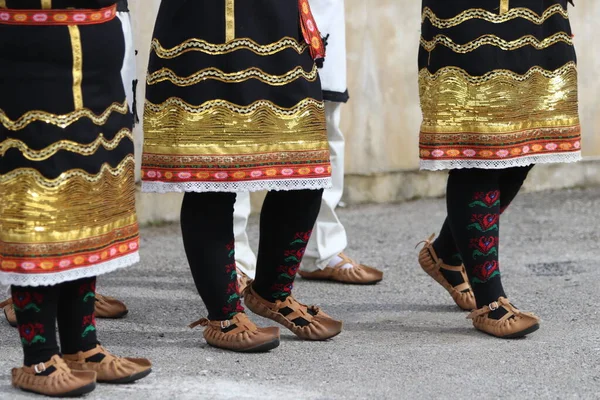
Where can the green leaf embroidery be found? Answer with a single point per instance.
(482, 204)
(480, 229)
(88, 295)
(87, 330)
(477, 253)
(495, 274)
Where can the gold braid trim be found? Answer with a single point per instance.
(479, 13)
(166, 74)
(219, 49)
(493, 40)
(61, 120)
(66, 145)
(125, 164)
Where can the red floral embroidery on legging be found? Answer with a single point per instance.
(292, 259)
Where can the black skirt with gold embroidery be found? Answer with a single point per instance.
(498, 84)
(233, 100)
(67, 188)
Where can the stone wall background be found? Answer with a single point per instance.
(381, 121)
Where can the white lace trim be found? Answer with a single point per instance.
(247, 186)
(437, 165)
(54, 278)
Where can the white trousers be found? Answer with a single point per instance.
(128, 70)
(329, 236)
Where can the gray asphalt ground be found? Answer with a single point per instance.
(403, 338)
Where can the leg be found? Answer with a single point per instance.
(76, 317)
(329, 236)
(286, 223)
(511, 181)
(474, 202)
(324, 258)
(244, 256)
(79, 344)
(207, 229)
(45, 371)
(36, 308)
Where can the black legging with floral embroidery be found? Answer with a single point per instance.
(286, 222)
(471, 233)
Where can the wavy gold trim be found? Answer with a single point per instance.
(493, 40)
(66, 145)
(443, 73)
(66, 217)
(229, 20)
(479, 13)
(61, 120)
(219, 127)
(65, 177)
(499, 102)
(243, 110)
(220, 49)
(77, 66)
(166, 74)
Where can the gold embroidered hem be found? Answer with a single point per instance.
(221, 146)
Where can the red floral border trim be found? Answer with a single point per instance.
(44, 265)
(235, 174)
(57, 17)
(457, 152)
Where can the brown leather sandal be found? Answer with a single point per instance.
(111, 369)
(320, 325)
(109, 307)
(461, 294)
(514, 324)
(246, 337)
(359, 274)
(63, 382)
(9, 312)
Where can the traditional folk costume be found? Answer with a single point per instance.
(67, 204)
(106, 306)
(234, 104)
(498, 86)
(324, 258)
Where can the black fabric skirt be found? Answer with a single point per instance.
(498, 83)
(67, 188)
(233, 100)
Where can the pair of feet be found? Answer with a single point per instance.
(500, 318)
(242, 335)
(77, 374)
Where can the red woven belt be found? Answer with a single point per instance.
(311, 33)
(57, 17)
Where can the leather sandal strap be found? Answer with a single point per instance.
(43, 366)
(345, 260)
(97, 350)
(7, 302)
(447, 267)
(493, 306)
(463, 287)
(299, 310)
